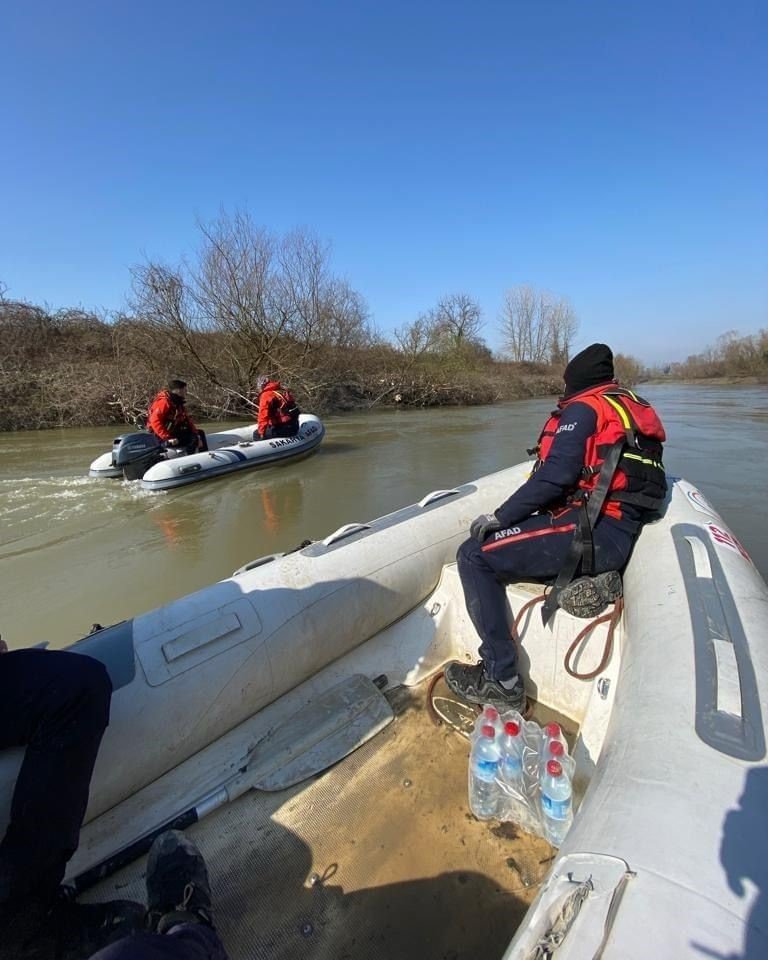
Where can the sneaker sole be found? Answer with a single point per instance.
(588, 596)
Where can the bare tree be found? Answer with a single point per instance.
(458, 321)
(537, 327)
(253, 302)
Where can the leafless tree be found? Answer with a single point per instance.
(457, 319)
(537, 327)
(253, 302)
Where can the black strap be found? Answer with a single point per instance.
(582, 535)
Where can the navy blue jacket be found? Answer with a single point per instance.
(558, 476)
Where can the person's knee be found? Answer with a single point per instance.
(91, 686)
(467, 553)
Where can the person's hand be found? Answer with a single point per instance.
(483, 525)
(173, 442)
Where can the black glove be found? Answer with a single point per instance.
(484, 524)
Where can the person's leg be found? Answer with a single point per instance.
(188, 941)
(534, 548)
(57, 704)
(179, 903)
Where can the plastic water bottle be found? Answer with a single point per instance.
(489, 716)
(483, 767)
(552, 750)
(511, 760)
(553, 731)
(556, 803)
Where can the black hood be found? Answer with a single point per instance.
(591, 367)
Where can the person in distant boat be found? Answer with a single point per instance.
(277, 414)
(56, 704)
(168, 419)
(179, 908)
(598, 475)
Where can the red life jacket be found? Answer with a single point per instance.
(287, 411)
(166, 418)
(277, 407)
(628, 424)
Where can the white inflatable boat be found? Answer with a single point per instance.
(139, 455)
(228, 703)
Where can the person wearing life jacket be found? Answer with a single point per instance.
(168, 419)
(597, 477)
(277, 414)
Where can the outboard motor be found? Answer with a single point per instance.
(135, 453)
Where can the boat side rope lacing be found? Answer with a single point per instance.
(557, 932)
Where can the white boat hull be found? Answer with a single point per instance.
(671, 733)
(227, 452)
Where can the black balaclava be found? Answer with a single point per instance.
(594, 365)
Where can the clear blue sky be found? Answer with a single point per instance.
(612, 152)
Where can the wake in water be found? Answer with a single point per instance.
(35, 511)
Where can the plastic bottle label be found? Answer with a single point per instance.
(486, 769)
(555, 809)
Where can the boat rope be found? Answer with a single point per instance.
(611, 618)
(557, 932)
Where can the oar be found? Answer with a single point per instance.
(318, 736)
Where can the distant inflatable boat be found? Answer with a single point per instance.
(140, 455)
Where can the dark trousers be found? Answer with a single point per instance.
(533, 549)
(188, 941)
(57, 705)
(189, 439)
(282, 430)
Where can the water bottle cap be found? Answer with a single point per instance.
(487, 730)
(556, 748)
(552, 729)
(554, 768)
(512, 728)
(490, 713)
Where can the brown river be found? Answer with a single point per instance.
(74, 551)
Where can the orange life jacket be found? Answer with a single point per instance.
(167, 419)
(630, 427)
(277, 407)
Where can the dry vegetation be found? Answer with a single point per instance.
(253, 302)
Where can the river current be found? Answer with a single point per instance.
(74, 551)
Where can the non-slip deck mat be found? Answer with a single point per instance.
(378, 858)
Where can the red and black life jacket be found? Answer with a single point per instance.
(629, 435)
(286, 411)
(622, 464)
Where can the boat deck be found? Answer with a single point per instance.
(377, 858)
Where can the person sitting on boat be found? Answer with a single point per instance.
(179, 908)
(277, 414)
(56, 704)
(168, 419)
(597, 477)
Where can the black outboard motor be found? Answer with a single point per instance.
(136, 453)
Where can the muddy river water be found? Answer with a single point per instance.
(74, 551)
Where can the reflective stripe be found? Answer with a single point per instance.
(528, 534)
(626, 422)
(652, 463)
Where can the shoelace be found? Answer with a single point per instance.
(189, 890)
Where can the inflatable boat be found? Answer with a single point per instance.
(141, 456)
(283, 716)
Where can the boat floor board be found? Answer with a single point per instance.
(404, 870)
